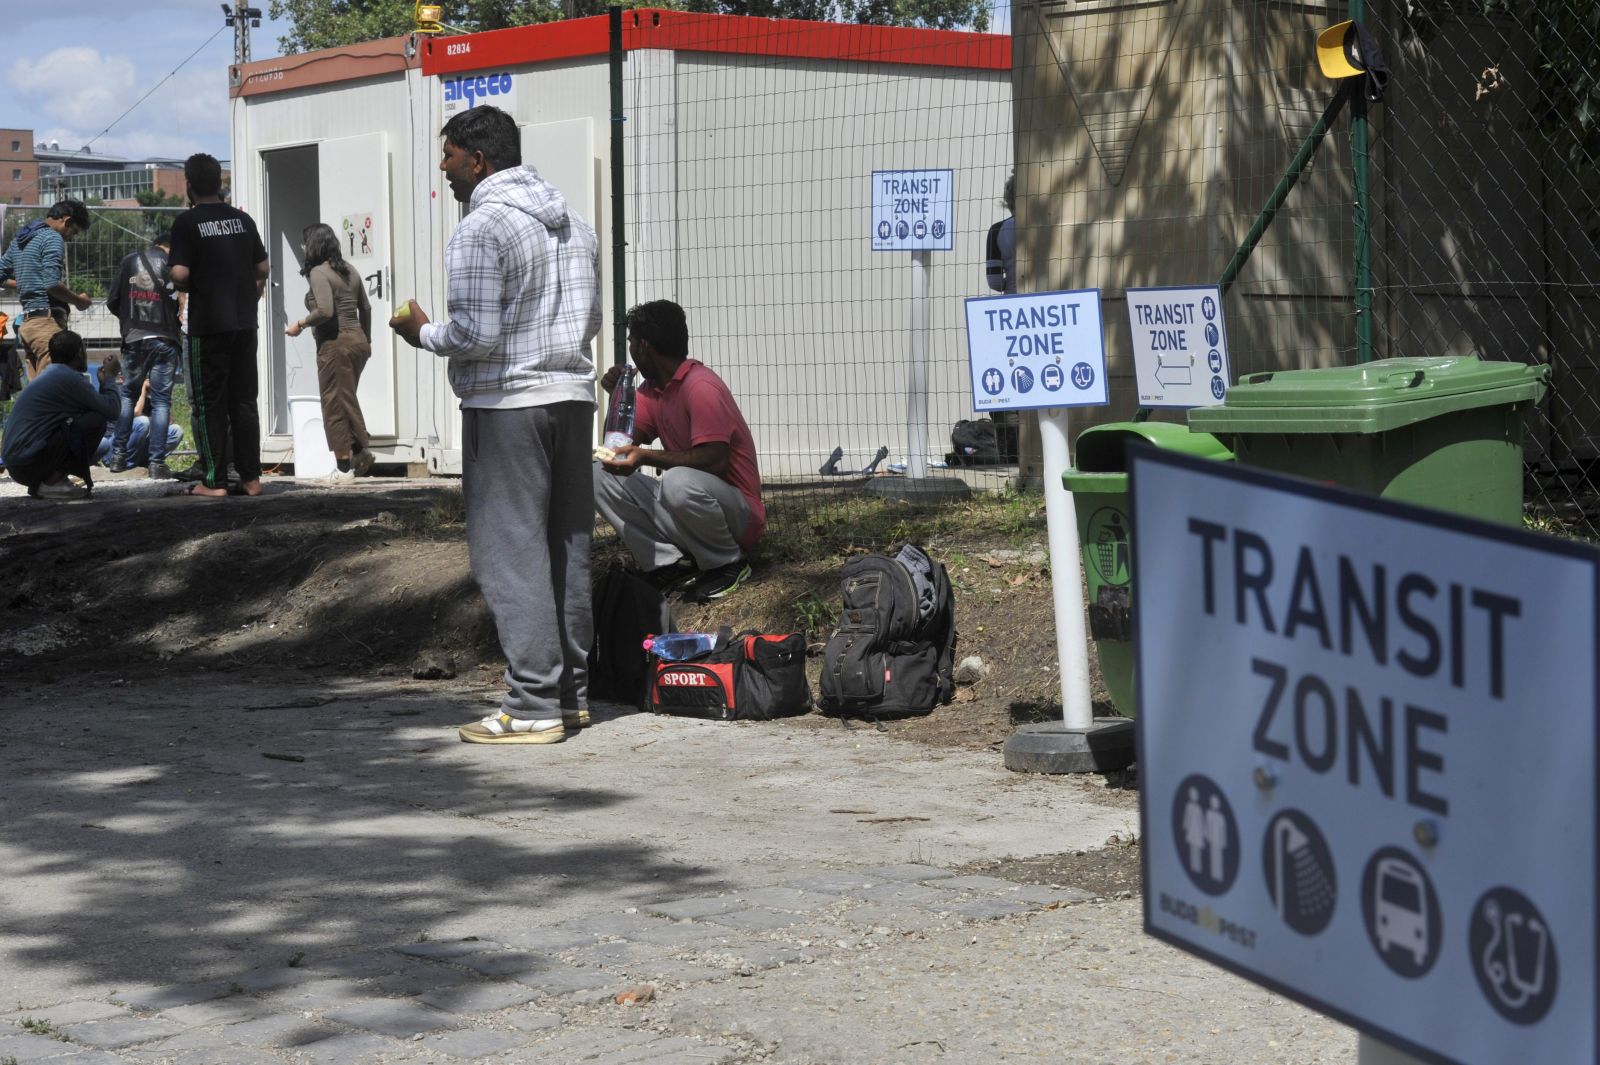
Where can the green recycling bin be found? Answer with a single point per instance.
(1443, 432)
(1099, 487)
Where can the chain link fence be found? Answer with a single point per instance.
(1146, 138)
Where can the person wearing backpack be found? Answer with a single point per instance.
(146, 303)
(693, 528)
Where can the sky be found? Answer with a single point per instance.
(74, 66)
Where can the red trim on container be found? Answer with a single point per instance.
(723, 34)
(844, 41)
(541, 43)
(324, 67)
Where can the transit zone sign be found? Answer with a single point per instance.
(1180, 345)
(913, 210)
(1367, 751)
(1045, 349)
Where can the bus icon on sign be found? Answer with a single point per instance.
(1401, 910)
(920, 230)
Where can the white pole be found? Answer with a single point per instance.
(1370, 1051)
(1066, 573)
(917, 390)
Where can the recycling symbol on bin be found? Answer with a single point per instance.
(1110, 548)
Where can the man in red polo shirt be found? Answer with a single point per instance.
(692, 528)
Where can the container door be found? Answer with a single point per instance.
(353, 174)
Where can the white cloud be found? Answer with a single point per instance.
(76, 86)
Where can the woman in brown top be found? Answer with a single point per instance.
(341, 320)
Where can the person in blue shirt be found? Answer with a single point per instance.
(37, 261)
(56, 424)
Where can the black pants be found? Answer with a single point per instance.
(223, 387)
(69, 449)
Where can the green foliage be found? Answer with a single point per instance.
(317, 24)
(812, 615)
(1565, 35)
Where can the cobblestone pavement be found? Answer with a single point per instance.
(900, 963)
(324, 875)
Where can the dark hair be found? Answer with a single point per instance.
(1009, 197)
(66, 348)
(661, 324)
(203, 173)
(488, 130)
(322, 246)
(73, 211)
(110, 366)
(163, 236)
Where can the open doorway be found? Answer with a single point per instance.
(292, 181)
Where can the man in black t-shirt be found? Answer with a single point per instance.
(217, 257)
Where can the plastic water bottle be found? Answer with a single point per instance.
(676, 646)
(619, 416)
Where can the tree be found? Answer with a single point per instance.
(323, 24)
(317, 24)
(1565, 35)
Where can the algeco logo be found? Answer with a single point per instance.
(477, 90)
(687, 680)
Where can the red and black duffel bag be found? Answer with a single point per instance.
(748, 677)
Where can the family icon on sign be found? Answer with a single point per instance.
(1207, 834)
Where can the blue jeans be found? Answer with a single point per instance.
(154, 358)
(138, 453)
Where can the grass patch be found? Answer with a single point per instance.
(39, 1026)
(810, 525)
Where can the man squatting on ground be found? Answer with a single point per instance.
(56, 424)
(698, 520)
(217, 257)
(37, 262)
(523, 304)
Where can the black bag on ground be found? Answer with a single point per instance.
(627, 609)
(975, 443)
(748, 677)
(893, 651)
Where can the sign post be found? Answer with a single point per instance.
(1367, 751)
(1046, 351)
(914, 210)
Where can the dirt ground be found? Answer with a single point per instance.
(374, 581)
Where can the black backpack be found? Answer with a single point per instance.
(975, 443)
(893, 651)
(627, 609)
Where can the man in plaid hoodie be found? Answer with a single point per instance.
(523, 305)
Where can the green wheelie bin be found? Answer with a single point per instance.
(1444, 432)
(1099, 487)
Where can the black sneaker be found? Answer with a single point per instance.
(670, 578)
(159, 472)
(192, 473)
(718, 583)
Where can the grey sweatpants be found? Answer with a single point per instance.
(530, 518)
(686, 513)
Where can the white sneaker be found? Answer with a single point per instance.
(338, 477)
(502, 728)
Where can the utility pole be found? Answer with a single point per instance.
(241, 18)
